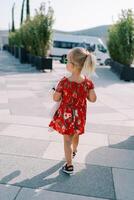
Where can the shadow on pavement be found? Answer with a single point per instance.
(93, 180)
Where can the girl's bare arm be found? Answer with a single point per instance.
(92, 96)
(57, 96)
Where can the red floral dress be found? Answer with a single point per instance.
(70, 117)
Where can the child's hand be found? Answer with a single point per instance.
(92, 96)
(57, 96)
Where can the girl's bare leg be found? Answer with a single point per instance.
(68, 148)
(75, 142)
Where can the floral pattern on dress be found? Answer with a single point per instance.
(70, 117)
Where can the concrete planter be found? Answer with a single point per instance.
(22, 55)
(46, 63)
(12, 50)
(5, 47)
(124, 72)
(30, 58)
(16, 51)
(43, 63)
(38, 63)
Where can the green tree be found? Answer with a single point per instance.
(13, 24)
(35, 35)
(28, 10)
(121, 38)
(22, 12)
(44, 21)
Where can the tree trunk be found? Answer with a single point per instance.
(28, 10)
(22, 12)
(13, 26)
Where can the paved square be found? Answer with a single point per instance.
(31, 157)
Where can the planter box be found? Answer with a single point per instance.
(5, 47)
(12, 50)
(124, 72)
(38, 63)
(22, 55)
(9, 49)
(16, 51)
(29, 59)
(43, 63)
(47, 63)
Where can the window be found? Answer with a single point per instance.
(101, 48)
(65, 45)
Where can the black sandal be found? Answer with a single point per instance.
(68, 169)
(74, 153)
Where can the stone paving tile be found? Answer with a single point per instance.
(2, 86)
(124, 184)
(17, 88)
(39, 194)
(121, 142)
(4, 111)
(100, 109)
(32, 132)
(128, 112)
(108, 128)
(129, 123)
(110, 157)
(87, 138)
(106, 117)
(15, 94)
(21, 146)
(13, 82)
(111, 101)
(31, 173)
(29, 107)
(4, 105)
(34, 101)
(25, 120)
(103, 156)
(51, 150)
(3, 126)
(110, 119)
(89, 180)
(8, 192)
(3, 97)
(3, 100)
(121, 123)
(40, 85)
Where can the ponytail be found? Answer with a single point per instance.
(82, 59)
(89, 64)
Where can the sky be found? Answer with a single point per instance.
(70, 15)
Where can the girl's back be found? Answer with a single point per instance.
(72, 110)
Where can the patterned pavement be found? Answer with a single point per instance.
(31, 157)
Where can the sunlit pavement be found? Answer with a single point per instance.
(31, 157)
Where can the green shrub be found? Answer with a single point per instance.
(35, 35)
(121, 38)
(12, 38)
(43, 22)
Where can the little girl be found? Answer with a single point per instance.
(73, 92)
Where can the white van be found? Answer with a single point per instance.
(62, 42)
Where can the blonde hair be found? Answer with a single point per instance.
(82, 59)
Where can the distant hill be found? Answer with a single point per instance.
(99, 31)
